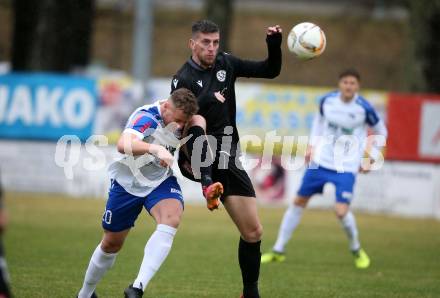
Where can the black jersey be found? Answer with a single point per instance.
(221, 78)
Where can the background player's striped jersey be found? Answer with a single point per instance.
(340, 129)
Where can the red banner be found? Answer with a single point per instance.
(413, 127)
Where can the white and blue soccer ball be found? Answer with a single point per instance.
(306, 40)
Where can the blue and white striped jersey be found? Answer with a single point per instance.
(141, 174)
(339, 132)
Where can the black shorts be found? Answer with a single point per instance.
(235, 180)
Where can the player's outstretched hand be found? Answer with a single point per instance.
(366, 166)
(274, 29)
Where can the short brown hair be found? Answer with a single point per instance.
(204, 26)
(350, 72)
(183, 99)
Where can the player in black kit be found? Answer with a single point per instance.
(211, 76)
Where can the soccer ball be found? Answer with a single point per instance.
(306, 41)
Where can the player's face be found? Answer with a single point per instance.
(174, 118)
(204, 47)
(348, 86)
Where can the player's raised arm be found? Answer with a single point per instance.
(268, 68)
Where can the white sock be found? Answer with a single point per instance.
(290, 221)
(349, 224)
(156, 250)
(98, 266)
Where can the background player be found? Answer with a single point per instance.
(145, 181)
(341, 113)
(211, 76)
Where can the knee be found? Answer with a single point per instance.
(301, 202)
(111, 245)
(340, 214)
(172, 220)
(253, 234)
(341, 210)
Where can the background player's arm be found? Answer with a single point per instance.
(316, 131)
(378, 128)
(269, 68)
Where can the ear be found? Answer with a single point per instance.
(166, 104)
(191, 44)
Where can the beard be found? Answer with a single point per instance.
(207, 62)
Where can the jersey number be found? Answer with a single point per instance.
(107, 217)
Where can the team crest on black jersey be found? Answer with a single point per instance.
(221, 75)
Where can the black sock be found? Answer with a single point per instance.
(249, 257)
(205, 171)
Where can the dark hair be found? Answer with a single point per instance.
(204, 26)
(183, 99)
(350, 72)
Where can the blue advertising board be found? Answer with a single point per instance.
(46, 106)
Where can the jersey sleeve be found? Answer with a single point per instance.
(378, 130)
(321, 105)
(371, 117)
(142, 124)
(268, 68)
(317, 126)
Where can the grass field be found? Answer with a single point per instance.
(50, 240)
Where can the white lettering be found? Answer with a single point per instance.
(377, 143)
(3, 102)
(21, 106)
(47, 105)
(94, 151)
(67, 160)
(248, 141)
(269, 144)
(82, 99)
(286, 155)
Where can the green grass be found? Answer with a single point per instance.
(50, 240)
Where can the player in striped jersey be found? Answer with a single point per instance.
(338, 144)
(143, 177)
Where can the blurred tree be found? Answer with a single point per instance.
(221, 13)
(51, 35)
(425, 45)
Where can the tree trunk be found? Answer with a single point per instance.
(221, 13)
(425, 43)
(51, 35)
